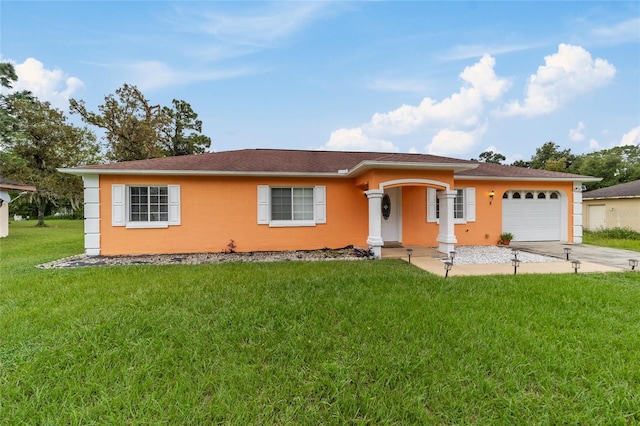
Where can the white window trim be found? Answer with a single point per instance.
(264, 207)
(469, 208)
(120, 208)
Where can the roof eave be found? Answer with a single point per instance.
(129, 172)
(611, 197)
(529, 178)
(367, 165)
(28, 188)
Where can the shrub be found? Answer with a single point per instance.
(615, 233)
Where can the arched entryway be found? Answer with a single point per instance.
(385, 213)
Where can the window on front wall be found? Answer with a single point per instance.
(291, 206)
(145, 206)
(148, 204)
(458, 205)
(464, 205)
(291, 203)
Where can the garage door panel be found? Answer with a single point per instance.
(532, 219)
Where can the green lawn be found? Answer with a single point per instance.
(342, 342)
(615, 238)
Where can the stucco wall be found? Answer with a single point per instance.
(215, 210)
(619, 213)
(4, 220)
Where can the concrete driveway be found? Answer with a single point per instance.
(583, 252)
(592, 259)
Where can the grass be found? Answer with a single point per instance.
(364, 342)
(621, 238)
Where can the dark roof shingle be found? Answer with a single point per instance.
(284, 161)
(629, 189)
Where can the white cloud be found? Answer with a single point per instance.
(467, 51)
(631, 138)
(356, 140)
(399, 85)
(460, 109)
(456, 119)
(594, 145)
(263, 25)
(54, 86)
(577, 134)
(566, 74)
(148, 75)
(619, 33)
(454, 142)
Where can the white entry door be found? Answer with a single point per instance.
(597, 217)
(392, 215)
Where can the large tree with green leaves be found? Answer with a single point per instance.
(550, 157)
(616, 165)
(39, 141)
(490, 157)
(7, 77)
(182, 134)
(136, 130)
(131, 123)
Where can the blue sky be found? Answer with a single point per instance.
(445, 78)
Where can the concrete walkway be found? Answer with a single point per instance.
(592, 259)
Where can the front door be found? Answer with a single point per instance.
(392, 215)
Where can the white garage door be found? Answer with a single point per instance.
(532, 215)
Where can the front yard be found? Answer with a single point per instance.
(377, 342)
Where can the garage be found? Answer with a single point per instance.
(532, 215)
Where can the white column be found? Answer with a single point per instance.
(577, 213)
(91, 214)
(446, 237)
(375, 221)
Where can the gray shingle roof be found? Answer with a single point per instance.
(623, 190)
(281, 161)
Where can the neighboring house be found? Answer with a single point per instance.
(617, 206)
(265, 199)
(5, 199)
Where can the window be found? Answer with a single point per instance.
(541, 195)
(458, 205)
(529, 196)
(463, 205)
(145, 206)
(554, 196)
(516, 196)
(291, 206)
(291, 203)
(148, 204)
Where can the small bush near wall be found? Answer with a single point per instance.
(615, 233)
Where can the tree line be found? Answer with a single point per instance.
(36, 139)
(616, 165)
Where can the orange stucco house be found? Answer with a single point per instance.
(269, 200)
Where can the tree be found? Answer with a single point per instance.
(491, 157)
(7, 75)
(137, 130)
(521, 163)
(616, 165)
(183, 119)
(550, 157)
(40, 141)
(132, 124)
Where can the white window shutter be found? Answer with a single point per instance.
(470, 201)
(174, 204)
(118, 195)
(320, 203)
(431, 205)
(263, 205)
